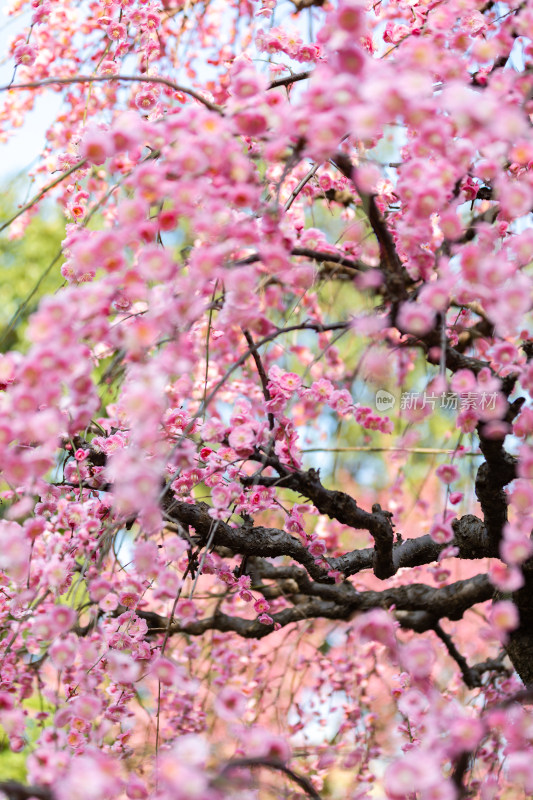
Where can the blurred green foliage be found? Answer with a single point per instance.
(30, 267)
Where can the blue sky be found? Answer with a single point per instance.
(25, 144)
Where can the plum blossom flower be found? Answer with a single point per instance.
(416, 319)
(261, 605)
(441, 532)
(90, 776)
(417, 772)
(242, 439)
(516, 545)
(25, 54)
(261, 743)
(122, 668)
(376, 625)
(96, 145)
(230, 704)
(447, 473)
(519, 769)
(417, 658)
(504, 618)
(465, 734)
(413, 704)
(505, 578)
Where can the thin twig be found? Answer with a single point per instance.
(42, 192)
(303, 182)
(370, 449)
(470, 677)
(262, 374)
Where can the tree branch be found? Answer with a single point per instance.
(340, 506)
(449, 602)
(304, 783)
(18, 791)
(113, 79)
(290, 79)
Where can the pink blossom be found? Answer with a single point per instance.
(519, 770)
(416, 772)
(242, 439)
(230, 704)
(25, 54)
(521, 497)
(63, 651)
(413, 704)
(376, 625)
(289, 382)
(122, 668)
(317, 547)
(463, 381)
(418, 658)
(465, 734)
(109, 602)
(505, 578)
(136, 788)
(341, 401)
(261, 743)
(416, 319)
(89, 777)
(261, 605)
(96, 145)
(504, 616)
(516, 545)
(86, 706)
(441, 532)
(350, 16)
(448, 473)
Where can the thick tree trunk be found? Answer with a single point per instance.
(520, 646)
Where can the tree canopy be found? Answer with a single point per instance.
(266, 454)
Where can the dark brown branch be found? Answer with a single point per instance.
(257, 541)
(396, 277)
(342, 507)
(498, 470)
(461, 766)
(300, 5)
(290, 79)
(470, 538)
(449, 602)
(470, 676)
(261, 372)
(303, 783)
(18, 791)
(315, 255)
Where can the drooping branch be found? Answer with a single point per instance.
(395, 275)
(241, 763)
(113, 79)
(315, 255)
(260, 371)
(470, 676)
